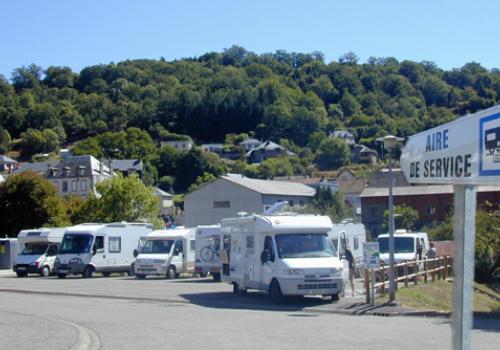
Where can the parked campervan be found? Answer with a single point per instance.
(352, 236)
(105, 248)
(208, 249)
(282, 254)
(39, 250)
(166, 253)
(407, 246)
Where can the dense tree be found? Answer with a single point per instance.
(4, 140)
(27, 201)
(331, 203)
(332, 153)
(405, 218)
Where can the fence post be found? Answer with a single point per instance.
(445, 266)
(415, 270)
(425, 270)
(433, 267)
(382, 277)
(367, 285)
(406, 273)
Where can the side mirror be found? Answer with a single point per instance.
(136, 253)
(265, 256)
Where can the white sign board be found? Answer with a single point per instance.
(464, 151)
(371, 255)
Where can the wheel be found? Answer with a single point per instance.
(140, 277)
(335, 297)
(131, 272)
(61, 275)
(275, 292)
(21, 274)
(88, 272)
(106, 274)
(216, 276)
(171, 273)
(45, 271)
(207, 254)
(203, 274)
(236, 289)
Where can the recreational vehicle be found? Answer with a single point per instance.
(283, 255)
(208, 249)
(407, 246)
(166, 253)
(39, 250)
(104, 248)
(352, 236)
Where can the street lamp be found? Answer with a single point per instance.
(390, 144)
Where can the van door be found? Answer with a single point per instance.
(267, 259)
(99, 254)
(50, 256)
(178, 256)
(114, 251)
(342, 244)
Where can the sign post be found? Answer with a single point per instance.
(371, 261)
(464, 153)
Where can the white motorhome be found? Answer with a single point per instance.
(407, 246)
(166, 253)
(349, 235)
(283, 255)
(208, 249)
(104, 248)
(38, 251)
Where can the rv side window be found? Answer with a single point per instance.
(99, 242)
(115, 244)
(52, 251)
(356, 243)
(268, 245)
(249, 244)
(192, 245)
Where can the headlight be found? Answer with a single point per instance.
(293, 272)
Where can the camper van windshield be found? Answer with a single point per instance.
(34, 248)
(305, 245)
(75, 244)
(156, 247)
(401, 244)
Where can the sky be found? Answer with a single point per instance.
(80, 33)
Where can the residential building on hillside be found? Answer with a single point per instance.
(433, 202)
(234, 193)
(345, 136)
(166, 202)
(250, 144)
(351, 187)
(125, 166)
(7, 164)
(182, 145)
(267, 150)
(363, 154)
(213, 147)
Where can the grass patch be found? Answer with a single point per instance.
(437, 296)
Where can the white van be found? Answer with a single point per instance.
(349, 235)
(283, 255)
(105, 248)
(208, 248)
(166, 253)
(407, 246)
(39, 250)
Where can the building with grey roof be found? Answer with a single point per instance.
(231, 194)
(344, 135)
(250, 144)
(267, 150)
(7, 164)
(125, 166)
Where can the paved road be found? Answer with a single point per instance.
(183, 316)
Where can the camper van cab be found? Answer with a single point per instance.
(208, 248)
(407, 246)
(283, 255)
(166, 253)
(39, 250)
(105, 248)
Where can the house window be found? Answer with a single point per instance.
(291, 203)
(249, 244)
(431, 209)
(115, 244)
(74, 186)
(301, 203)
(65, 186)
(222, 204)
(83, 185)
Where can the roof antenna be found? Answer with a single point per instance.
(275, 207)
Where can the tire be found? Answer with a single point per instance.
(207, 254)
(275, 292)
(171, 273)
(203, 274)
(106, 274)
(45, 271)
(61, 275)
(216, 276)
(88, 272)
(335, 297)
(21, 274)
(140, 277)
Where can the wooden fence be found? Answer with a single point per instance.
(414, 271)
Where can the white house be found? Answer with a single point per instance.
(250, 144)
(344, 135)
(182, 145)
(234, 193)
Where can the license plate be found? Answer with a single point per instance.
(21, 268)
(63, 271)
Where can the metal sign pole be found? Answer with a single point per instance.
(464, 231)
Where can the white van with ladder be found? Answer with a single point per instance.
(166, 253)
(104, 248)
(39, 250)
(283, 255)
